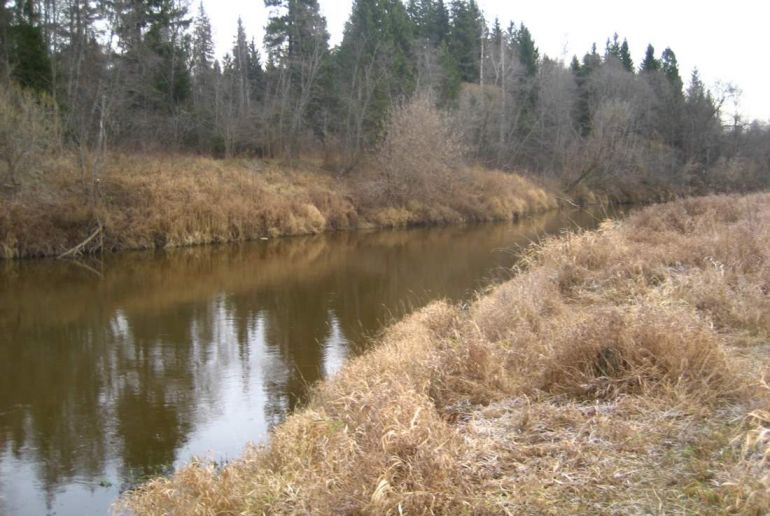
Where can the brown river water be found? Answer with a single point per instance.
(115, 370)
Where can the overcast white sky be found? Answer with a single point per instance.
(726, 40)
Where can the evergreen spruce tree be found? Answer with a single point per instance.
(591, 61)
(419, 14)
(204, 81)
(154, 57)
(495, 35)
(619, 52)
(467, 29)
(529, 56)
(702, 125)
(696, 91)
(430, 19)
(612, 49)
(625, 57)
(430, 29)
(376, 66)
(650, 63)
(574, 65)
(239, 68)
(296, 39)
(255, 73)
(450, 83)
(202, 44)
(168, 40)
(449, 88)
(525, 91)
(670, 68)
(581, 112)
(671, 100)
(296, 33)
(440, 23)
(27, 53)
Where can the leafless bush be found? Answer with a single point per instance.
(419, 159)
(28, 130)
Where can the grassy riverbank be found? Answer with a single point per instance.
(621, 371)
(168, 201)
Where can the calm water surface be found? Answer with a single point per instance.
(114, 370)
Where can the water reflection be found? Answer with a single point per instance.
(122, 369)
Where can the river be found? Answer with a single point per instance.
(115, 370)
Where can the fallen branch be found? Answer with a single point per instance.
(78, 248)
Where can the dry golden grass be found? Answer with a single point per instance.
(481, 196)
(169, 201)
(622, 371)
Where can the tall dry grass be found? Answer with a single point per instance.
(620, 372)
(169, 201)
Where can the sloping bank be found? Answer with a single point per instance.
(146, 202)
(620, 372)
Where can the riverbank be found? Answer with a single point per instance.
(621, 370)
(143, 202)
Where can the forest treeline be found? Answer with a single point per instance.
(92, 76)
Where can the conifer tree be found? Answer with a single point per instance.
(255, 73)
(430, 19)
(203, 80)
(574, 65)
(153, 59)
(202, 44)
(612, 49)
(467, 29)
(376, 64)
(296, 39)
(529, 56)
(581, 112)
(670, 99)
(168, 40)
(240, 68)
(591, 61)
(650, 63)
(702, 125)
(496, 33)
(296, 33)
(619, 53)
(625, 57)
(440, 25)
(27, 53)
(526, 87)
(670, 68)
(419, 13)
